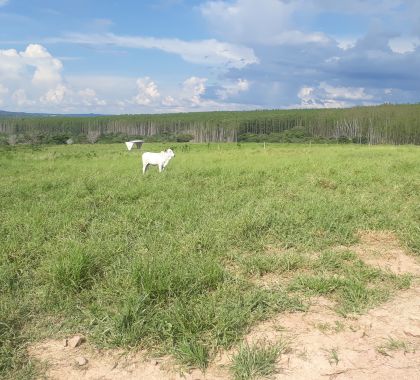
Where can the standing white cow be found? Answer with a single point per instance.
(160, 159)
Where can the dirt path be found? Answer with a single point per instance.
(382, 344)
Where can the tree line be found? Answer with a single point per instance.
(384, 124)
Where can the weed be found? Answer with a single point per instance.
(258, 360)
(393, 344)
(332, 355)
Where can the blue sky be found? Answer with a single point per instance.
(158, 56)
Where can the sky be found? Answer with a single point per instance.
(118, 57)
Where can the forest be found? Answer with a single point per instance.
(383, 124)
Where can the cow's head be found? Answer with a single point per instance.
(170, 152)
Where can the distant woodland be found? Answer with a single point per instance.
(384, 124)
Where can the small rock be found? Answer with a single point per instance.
(415, 332)
(65, 343)
(81, 361)
(76, 341)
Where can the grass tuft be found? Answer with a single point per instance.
(393, 344)
(256, 361)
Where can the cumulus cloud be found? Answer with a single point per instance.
(327, 96)
(34, 79)
(89, 98)
(404, 45)
(168, 101)
(3, 91)
(358, 7)
(20, 98)
(35, 61)
(346, 42)
(193, 96)
(348, 93)
(190, 95)
(230, 89)
(54, 95)
(193, 89)
(148, 92)
(209, 52)
(266, 22)
(47, 68)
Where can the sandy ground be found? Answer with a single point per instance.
(323, 345)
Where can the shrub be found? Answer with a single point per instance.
(344, 140)
(184, 137)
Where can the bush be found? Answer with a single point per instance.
(293, 135)
(360, 140)
(184, 137)
(58, 139)
(343, 140)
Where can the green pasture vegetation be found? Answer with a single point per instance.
(256, 361)
(168, 262)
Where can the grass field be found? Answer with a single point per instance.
(168, 261)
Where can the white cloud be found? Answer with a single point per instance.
(89, 98)
(48, 68)
(327, 96)
(11, 65)
(20, 98)
(228, 90)
(32, 80)
(3, 91)
(346, 43)
(348, 93)
(148, 92)
(3, 2)
(191, 95)
(168, 101)
(16, 65)
(54, 95)
(358, 7)
(193, 89)
(264, 22)
(209, 52)
(403, 45)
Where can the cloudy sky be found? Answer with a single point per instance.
(132, 56)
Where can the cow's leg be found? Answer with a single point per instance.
(160, 168)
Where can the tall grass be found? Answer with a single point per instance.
(165, 261)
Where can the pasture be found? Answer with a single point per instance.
(179, 262)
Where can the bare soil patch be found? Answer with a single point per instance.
(65, 363)
(324, 345)
(382, 249)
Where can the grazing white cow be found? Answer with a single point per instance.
(160, 159)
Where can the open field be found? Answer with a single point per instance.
(189, 262)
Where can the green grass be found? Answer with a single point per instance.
(355, 285)
(166, 261)
(393, 344)
(332, 356)
(256, 361)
